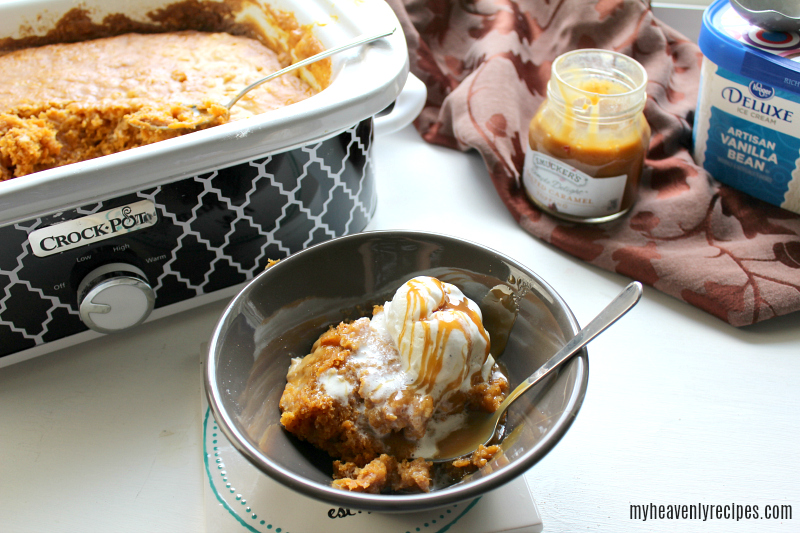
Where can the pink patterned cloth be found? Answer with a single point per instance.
(486, 64)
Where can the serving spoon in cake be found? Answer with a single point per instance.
(198, 115)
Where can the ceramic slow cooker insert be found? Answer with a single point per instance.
(103, 245)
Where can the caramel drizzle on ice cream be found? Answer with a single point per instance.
(452, 316)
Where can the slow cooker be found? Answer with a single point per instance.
(104, 245)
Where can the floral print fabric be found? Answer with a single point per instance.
(486, 64)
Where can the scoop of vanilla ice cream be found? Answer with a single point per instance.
(439, 335)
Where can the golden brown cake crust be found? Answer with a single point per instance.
(314, 416)
(64, 103)
(383, 474)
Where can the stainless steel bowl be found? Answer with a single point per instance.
(284, 309)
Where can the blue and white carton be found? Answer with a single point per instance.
(747, 124)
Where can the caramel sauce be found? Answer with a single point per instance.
(433, 347)
(589, 137)
(598, 150)
(466, 439)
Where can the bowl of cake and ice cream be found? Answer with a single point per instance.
(346, 369)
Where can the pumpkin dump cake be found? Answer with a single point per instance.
(377, 394)
(64, 103)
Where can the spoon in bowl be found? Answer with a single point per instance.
(466, 440)
(200, 118)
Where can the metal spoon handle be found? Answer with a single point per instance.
(612, 312)
(358, 41)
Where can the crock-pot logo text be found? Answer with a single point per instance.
(93, 228)
(127, 221)
(757, 108)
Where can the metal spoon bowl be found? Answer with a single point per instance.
(465, 441)
(199, 117)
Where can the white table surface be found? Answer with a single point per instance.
(681, 408)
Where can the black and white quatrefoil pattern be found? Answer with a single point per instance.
(215, 230)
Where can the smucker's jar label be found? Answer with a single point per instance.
(565, 189)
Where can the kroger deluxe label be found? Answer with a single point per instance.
(753, 136)
(97, 227)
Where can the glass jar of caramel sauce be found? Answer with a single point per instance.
(589, 137)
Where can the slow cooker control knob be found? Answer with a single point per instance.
(115, 297)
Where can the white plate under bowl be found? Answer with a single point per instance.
(240, 498)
